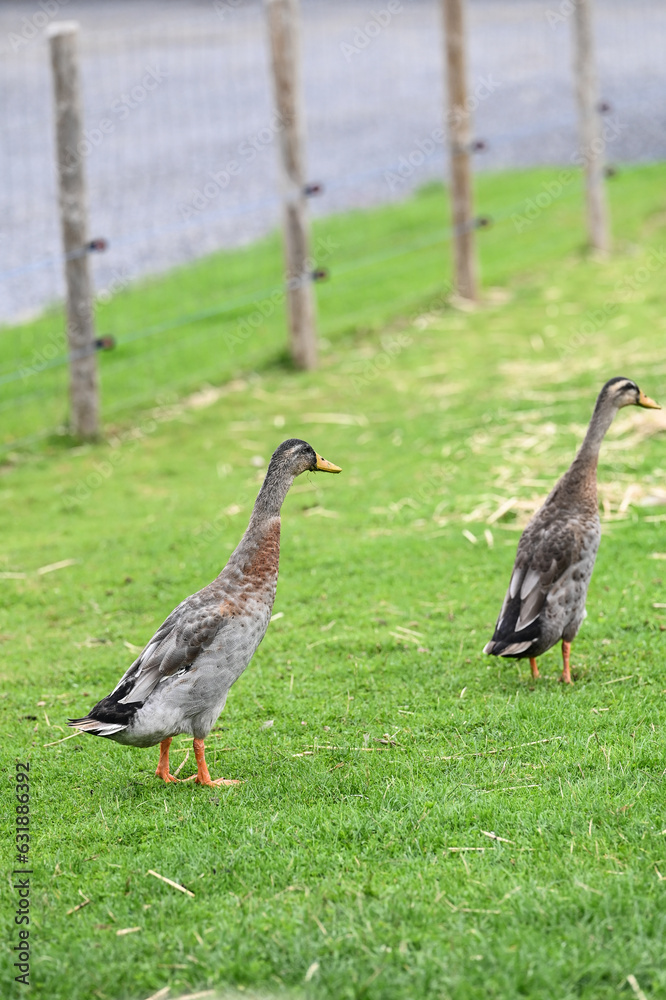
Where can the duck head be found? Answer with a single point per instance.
(623, 392)
(289, 460)
(295, 456)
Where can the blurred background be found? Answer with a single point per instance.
(366, 107)
(186, 87)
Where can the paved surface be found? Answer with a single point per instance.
(184, 90)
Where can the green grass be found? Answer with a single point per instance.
(340, 849)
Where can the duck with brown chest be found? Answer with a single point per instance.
(545, 601)
(180, 681)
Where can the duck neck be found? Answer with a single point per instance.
(584, 466)
(257, 553)
(271, 495)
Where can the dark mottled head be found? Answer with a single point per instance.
(288, 461)
(623, 392)
(295, 456)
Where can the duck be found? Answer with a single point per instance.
(179, 683)
(545, 601)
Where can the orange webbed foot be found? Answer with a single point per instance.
(202, 776)
(216, 781)
(163, 766)
(566, 673)
(166, 777)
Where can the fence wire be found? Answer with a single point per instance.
(180, 149)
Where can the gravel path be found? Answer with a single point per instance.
(188, 163)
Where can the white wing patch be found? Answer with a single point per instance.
(515, 582)
(529, 583)
(144, 683)
(516, 647)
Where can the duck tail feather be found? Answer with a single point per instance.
(95, 726)
(517, 649)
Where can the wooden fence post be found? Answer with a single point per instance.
(591, 140)
(283, 29)
(83, 378)
(458, 120)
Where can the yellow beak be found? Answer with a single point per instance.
(324, 466)
(648, 403)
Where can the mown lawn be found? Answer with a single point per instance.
(416, 819)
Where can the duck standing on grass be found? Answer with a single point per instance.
(545, 601)
(180, 682)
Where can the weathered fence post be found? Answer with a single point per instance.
(458, 120)
(591, 140)
(83, 379)
(283, 29)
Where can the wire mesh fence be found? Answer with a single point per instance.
(180, 155)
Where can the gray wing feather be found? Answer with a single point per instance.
(546, 551)
(188, 630)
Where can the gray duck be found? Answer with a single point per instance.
(545, 601)
(180, 681)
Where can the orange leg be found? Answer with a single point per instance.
(534, 667)
(163, 766)
(566, 673)
(203, 777)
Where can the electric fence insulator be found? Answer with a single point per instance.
(105, 343)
